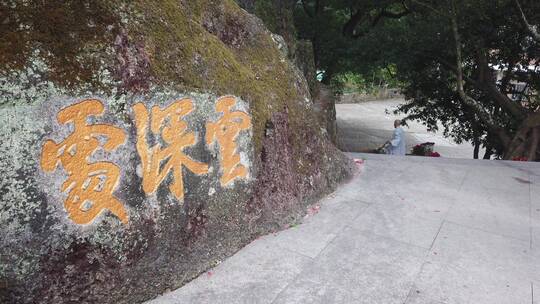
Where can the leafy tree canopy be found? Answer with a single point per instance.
(470, 67)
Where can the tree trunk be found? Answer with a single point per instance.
(476, 149)
(523, 138)
(489, 148)
(532, 30)
(516, 147)
(489, 152)
(533, 149)
(481, 112)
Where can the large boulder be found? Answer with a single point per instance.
(142, 142)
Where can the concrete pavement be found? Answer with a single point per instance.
(368, 125)
(411, 230)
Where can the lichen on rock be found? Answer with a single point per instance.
(56, 54)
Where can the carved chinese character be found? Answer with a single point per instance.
(225, 131)
(168, 156)
(90, 185)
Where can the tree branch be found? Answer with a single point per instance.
(304, 5)
(532, 121)
(429, 7)
(391, 15)
(505, 81)
(484, 115)
(485, 84)
(349, 26)
(359, 16)
(532, 30)
(502, 99)
(533, 149)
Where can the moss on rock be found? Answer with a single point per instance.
(145, 50)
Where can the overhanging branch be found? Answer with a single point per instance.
(360, 15)
(503, 100)
(386, 14)
(532, 30)
(483, 115)
(485, 84)
(306, 9)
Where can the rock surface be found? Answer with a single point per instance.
(142, 143)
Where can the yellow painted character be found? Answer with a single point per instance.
(225, 131)
(90, 185)
(159, 160)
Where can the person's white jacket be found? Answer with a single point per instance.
(397, 144)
